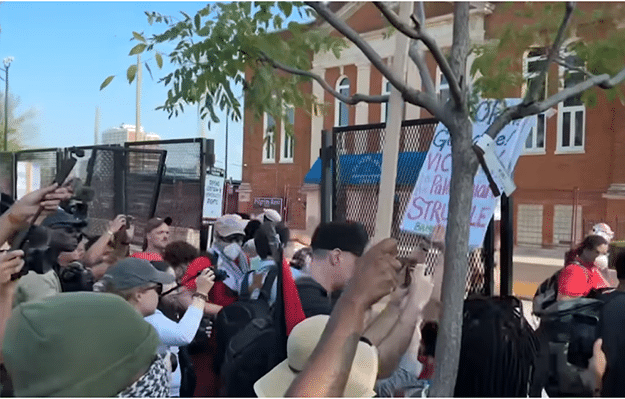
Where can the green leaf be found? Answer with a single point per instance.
(159, 60)
(138, 49)
(198, 22)
(286, 7)
(107, 81)
(131, 73)
(139, 37)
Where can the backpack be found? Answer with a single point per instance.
(246, 339)
(547, 292)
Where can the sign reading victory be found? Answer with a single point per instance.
(426, 211)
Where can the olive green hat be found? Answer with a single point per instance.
(77, 344)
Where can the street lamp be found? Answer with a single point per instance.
(7, 63)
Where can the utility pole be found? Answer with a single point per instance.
(138, 110)
(7, 63)
(96, 128)
(390, 152)
(226, 162)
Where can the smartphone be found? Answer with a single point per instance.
(128, 221)
(407, 268)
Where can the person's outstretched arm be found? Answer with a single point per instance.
(10, 263)
(327, 370)
(395, 344)
(22, 211)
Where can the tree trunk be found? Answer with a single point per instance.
(464, 165)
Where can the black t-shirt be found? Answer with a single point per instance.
(612, 325)
(314, 298)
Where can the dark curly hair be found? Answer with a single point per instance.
(498, 349)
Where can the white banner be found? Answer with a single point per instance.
(426, 212)
(213, 193)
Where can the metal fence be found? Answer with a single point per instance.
(357, 162)
(182, 186)
(141, 179)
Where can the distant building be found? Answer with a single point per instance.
(124, 133)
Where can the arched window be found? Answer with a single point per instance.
(342, 112)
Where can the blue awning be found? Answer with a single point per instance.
(365, 168)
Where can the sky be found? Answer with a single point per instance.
(63, 51)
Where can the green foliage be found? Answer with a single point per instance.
(22, 130)
(225, 45)
(131, 73)
(107, 81)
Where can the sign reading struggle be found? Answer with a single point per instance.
(426, 211)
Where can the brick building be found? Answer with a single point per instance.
(569, 176)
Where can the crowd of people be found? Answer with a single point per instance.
(88, 316)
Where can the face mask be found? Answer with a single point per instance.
(602, 261)
(232, 251)
(153, 384)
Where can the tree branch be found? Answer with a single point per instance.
(416, 55)
(429, 42)
(553, 53)
(522, 110)
(562, 62)
(409, 94)
(355, 99)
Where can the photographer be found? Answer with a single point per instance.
(44, 277)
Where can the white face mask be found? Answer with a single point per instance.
(232, 251)
(602, 261)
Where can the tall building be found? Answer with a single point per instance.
(124, 133)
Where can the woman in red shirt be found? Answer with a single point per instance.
(581, 275)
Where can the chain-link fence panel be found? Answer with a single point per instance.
(6, 173)
(358, 164)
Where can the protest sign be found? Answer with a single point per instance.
(213, 193)
(426, 211)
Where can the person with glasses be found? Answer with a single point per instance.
(140, 283)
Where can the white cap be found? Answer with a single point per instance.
(272, 215)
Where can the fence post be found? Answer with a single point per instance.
(507, 244)
(488, 256)
(327, 192)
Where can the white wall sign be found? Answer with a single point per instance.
(426, 212)
(213, 193)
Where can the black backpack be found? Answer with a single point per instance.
(247, 340)
(547, 292)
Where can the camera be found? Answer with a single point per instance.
(220, 275)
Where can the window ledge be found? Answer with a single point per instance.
(266, 161)
(534, 152)
(574, 151)
(290, 160)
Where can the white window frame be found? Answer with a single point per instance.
(338, 103)
(442, 88)
(533, 135)
(572, 111)
(269, 142)
(287, 143)
(386, 89)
